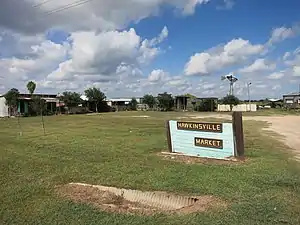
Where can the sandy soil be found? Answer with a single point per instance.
(108, 201)
(287, 126)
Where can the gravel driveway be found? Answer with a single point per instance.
(287, 126)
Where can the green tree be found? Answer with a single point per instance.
(31, 87)
(37, 104)
(165, 101)
(11, 98)
(230, 100)
(71, 99)
(34, 105)
(95, 95)
(133, 104)
(149, 100)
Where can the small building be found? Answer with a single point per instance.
(188, 103)
(292, 100)
(208, 104)
(24, 100)
(3, 107)
(51, 101)
(142, 107)
(182, 102)
(120, 104)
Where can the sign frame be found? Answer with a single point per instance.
(210, 134)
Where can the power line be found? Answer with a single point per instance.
(59, 9)
(42, 3)
(68, 6)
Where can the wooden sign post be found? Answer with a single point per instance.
(237, 124)
(208, 140)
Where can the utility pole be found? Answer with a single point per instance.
(249, 101)
(231, 88)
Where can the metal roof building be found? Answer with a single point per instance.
(292, 100)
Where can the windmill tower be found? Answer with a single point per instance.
(232, 79)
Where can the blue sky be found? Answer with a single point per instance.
(136, 47)
(252, 20)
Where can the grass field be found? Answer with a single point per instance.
(116, 149)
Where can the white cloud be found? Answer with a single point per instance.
(40, 59)
(283, 33)
(158, 75)
(104, 55)
(189, 7)
(259, 65)
(276, 87)
(293, 62)
(261, 86)
(294, 58)
(276, 75)
(93, 15)
(91, 58)
(296, 70)
(228, 4)
(234, 52)
(286, 56)
(208, 86)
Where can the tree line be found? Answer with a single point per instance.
(96, 100)
(165, 102)
(37, 105)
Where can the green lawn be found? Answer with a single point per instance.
(116, 149)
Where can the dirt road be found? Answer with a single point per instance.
(287, 126)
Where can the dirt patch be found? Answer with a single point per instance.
(286, 126)
(197, 160)
(136, 202)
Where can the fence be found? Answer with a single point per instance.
(238, 108)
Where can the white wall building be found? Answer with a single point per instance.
(3, 107)
(238, 108)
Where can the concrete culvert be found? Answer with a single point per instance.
(135, 201)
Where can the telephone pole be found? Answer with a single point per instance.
(249, 100)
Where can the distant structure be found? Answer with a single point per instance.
(188, 103)
(232, 79)
(292, 100)
(3, 107)
(24, 100)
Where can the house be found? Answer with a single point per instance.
(292, 100)
(120, 104)
(52, 101)
(182, 102)
(190, 103)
